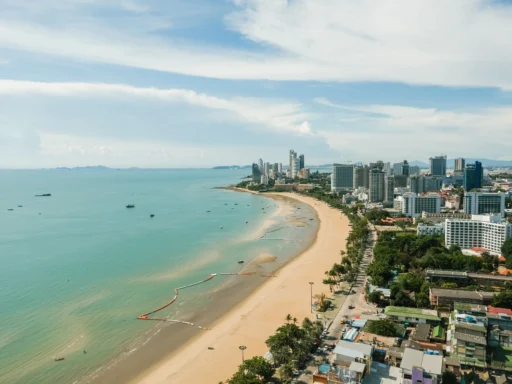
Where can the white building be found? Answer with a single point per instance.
(413, 205)
(342, 177)
(280, 167)
(478, 203)
(483, 231)
(304, 173)
(264, 179)
(424, 229)
(272, 174)
(295, 167)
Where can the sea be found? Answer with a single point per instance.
(77, 268)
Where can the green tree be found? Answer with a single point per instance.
(383, 327)
(449, 378)
(241, 378)
(258, 367)
(503, 300)
(375, 297)
(506, 251)
(285, 372)
(403, 300)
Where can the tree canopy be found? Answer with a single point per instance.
(503, 300)
(383, 327)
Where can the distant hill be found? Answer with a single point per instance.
(232, 167)
(450, 163)
(86, 168)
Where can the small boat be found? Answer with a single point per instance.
(236, 203)
(20, 206)
(44, 195)
(240, 261)
(59, 358)
(208, 211)
(152, 215)
(225, 203)
(246, 222)
(130, 206)
(210, 348)
(10, 209)
(221, 227)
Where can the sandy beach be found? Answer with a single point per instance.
(257, 317)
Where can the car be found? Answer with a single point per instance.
(351, 307)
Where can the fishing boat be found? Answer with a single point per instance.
(10, 209)
(152, 215)
(208, 211)
(44, 195)
(130, 206)
(59, 358)
(20, 206)
(240, 261)
(221, 227)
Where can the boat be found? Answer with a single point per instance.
(20, 206)
(44, 195)
(59, 358)
(10, 209)
(130, 206)
(240, 261)
(208, 211)
(221, 227)
(152, 215)
(236, 203)
(246, 222)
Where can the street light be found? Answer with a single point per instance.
(242, 348)
(311, 284)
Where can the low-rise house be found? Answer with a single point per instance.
(470, 309)
(347, 352)
(452, 364)
(467, 337)
(419, 367)
(446, 298)
(438, 334)
(500, 327)
(463, 278)
(412, 315)
(425, 229)
(421, 333)
(327, 374)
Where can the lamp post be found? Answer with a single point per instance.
(311, 285)
(242, 348)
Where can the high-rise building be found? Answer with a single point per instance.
(304, 173)
(412, 204)
(358, 177)
(266, 168)
(414, 170)
(389, 189)
(256, 173)
(342, 178)
(379, 164)
(433, 183)
(460, 165)
(366, 176)
(272, 174)
(376, 187)
(478, 203)
(260, 165)
(280, 167)
(438, 166)
(264, 179)
(482, 231)
(301, 162)
(295, 167)
(292, 158)
(387, 169)
(416, 184)
(473, 176)
(275, 167)
(397, 168)
(400, 181)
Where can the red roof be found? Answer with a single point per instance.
(506, 311)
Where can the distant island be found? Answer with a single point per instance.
(232, 167)
(86, 168)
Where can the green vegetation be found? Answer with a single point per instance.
(375, 216)
(503, 300)
(382, 327)
(449, 378)
(253, 371)
(502, 357)
(376, 298)
(506, 251)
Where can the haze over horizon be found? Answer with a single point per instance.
(202, 83)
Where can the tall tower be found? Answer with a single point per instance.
(260, 164)
(292, 156)
(438, 166)
(301, 162)
(376, 185)
(460, 164)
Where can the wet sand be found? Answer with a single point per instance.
(259, 314)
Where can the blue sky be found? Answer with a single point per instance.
(172, 83)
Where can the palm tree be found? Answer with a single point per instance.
(288, 318)
(294, 320)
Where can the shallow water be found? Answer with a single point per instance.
(77, 268)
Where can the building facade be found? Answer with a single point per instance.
(358, 177)
(433, 183)
(414, 170)
(295, 168)
(376, 187)
(342, 178)
(413, 205)
(400, 181)
(424, 229)
(416, 184)
(473, 176)
(478, 203)
(256, 172)
(438, 166)
(389, 189)
(301, 162)
(460, 165)
(482, 231)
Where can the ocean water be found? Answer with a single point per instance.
(77, 268)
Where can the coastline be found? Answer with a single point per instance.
(258, 315)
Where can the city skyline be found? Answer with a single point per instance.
(191, 84)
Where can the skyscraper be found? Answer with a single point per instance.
(275, 167)
(387, 168)
(280, 167)
(479, 203)
(266, 168)
(389, 189)
(358, 177)
(400, 181)
(404, 168)
(295, 167)
(460, 164)
(256, 173)
(342, 178)
(376, 188)
(414, 170)
(438, 166)
(379, 164)
(417, 184)
(473, 175)
(291, 159)
(260, 165)
(301, 162)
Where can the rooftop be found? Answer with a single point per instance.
(419, 313)
(354, 350)
(438, 332)
(461, 294)
(432, 364)
(469, 307)
(481, 340)
(489, 276)
(422, 332)
(480, 329)
(445, 272)
(497, 310)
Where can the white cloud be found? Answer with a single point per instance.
(274, 114)
(389, 131)
(451, 43)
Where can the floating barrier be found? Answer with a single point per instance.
(145, 316)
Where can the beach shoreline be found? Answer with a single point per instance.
(262, 311)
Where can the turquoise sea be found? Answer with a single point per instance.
(77, 268)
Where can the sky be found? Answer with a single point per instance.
(199, 83)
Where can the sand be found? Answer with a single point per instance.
(258, 316)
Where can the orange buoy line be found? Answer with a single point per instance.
(145, 316)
